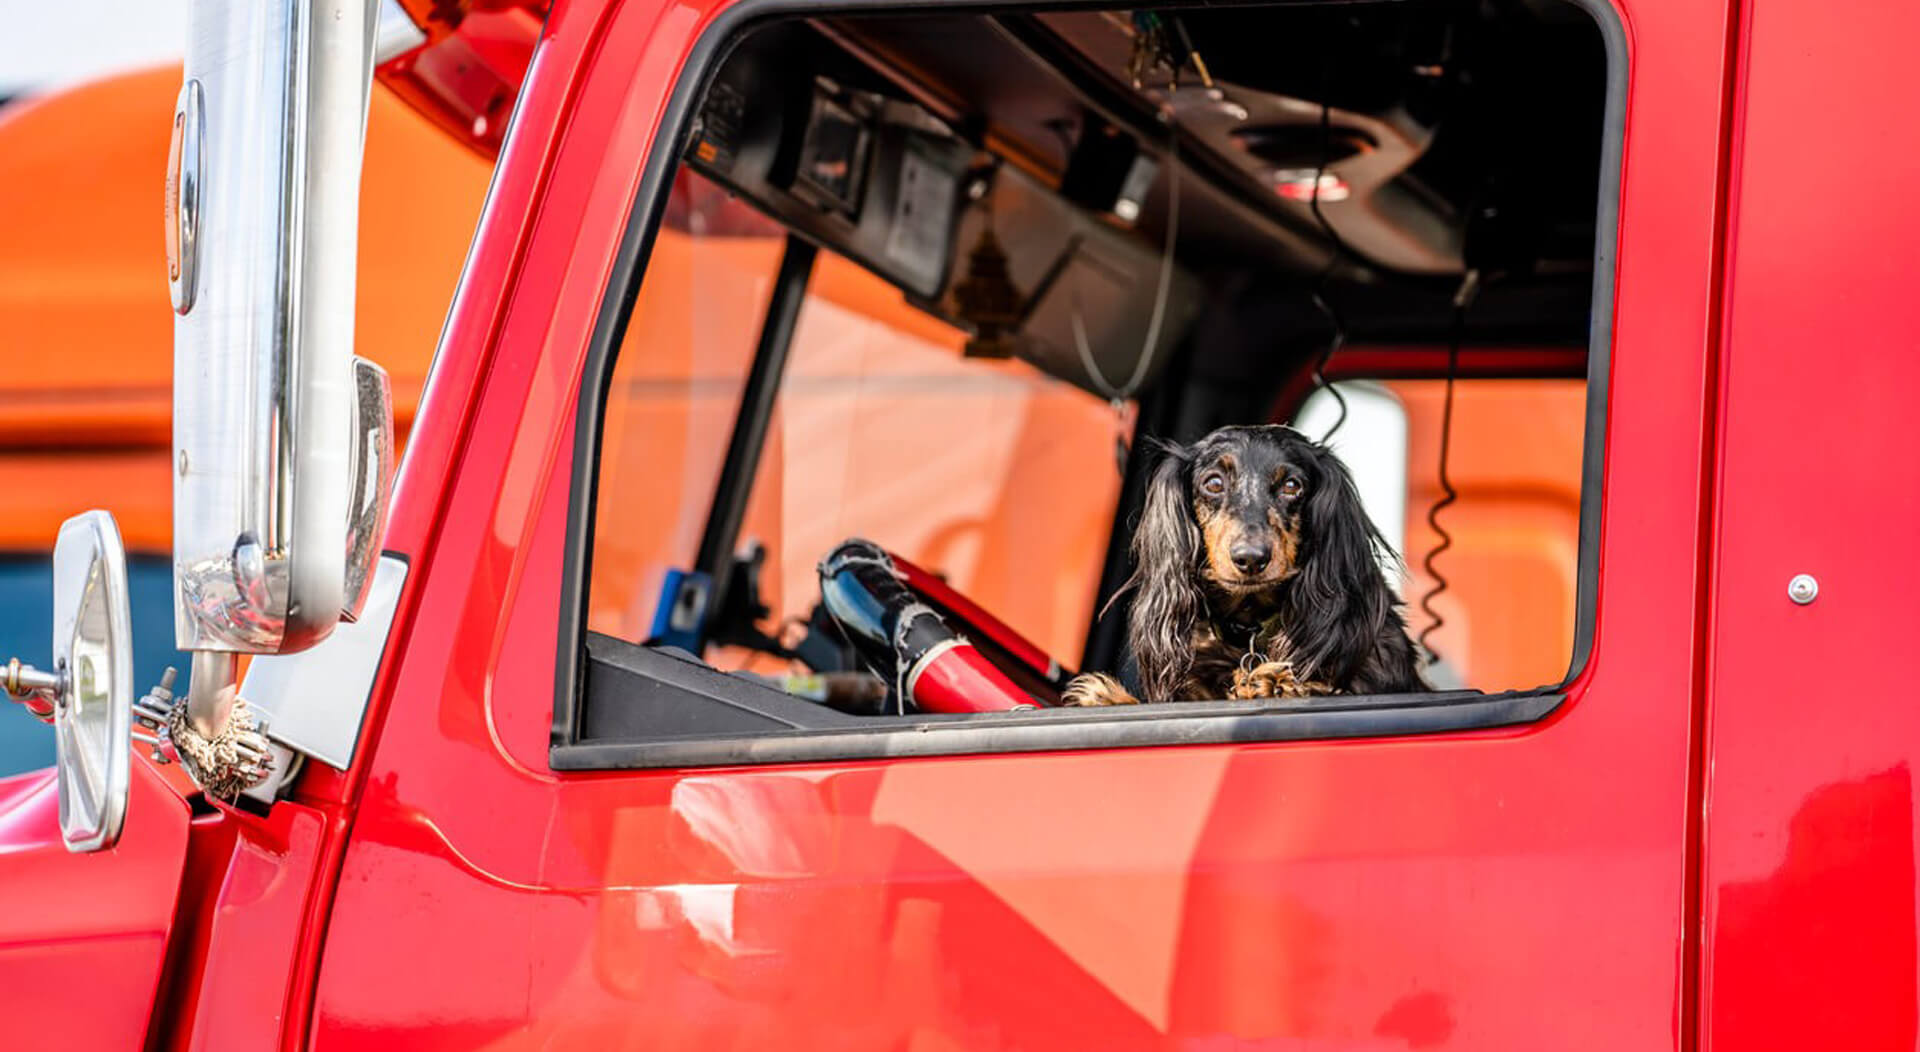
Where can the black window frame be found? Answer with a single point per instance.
(672, 711)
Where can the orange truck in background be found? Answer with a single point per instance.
(85, 400)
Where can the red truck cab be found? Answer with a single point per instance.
(574, 774)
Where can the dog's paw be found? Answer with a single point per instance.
(1096, 688)
(1274, 679)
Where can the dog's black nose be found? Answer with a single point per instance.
(1251, 558)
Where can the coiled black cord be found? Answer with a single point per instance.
(1469, 287)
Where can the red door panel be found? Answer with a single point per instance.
(1809, 885)
(1516, 889)
(83, 937)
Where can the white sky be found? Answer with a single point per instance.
(49, 43)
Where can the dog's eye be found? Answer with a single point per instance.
(1213, 485)
(1291, 487)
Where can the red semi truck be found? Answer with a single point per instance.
(564, 738)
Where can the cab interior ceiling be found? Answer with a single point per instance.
(1444, 137)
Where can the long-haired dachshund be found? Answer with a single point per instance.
(1256, 574)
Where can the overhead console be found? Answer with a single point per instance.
(873, 178)
(850, 160)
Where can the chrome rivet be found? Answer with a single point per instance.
(1803, 588)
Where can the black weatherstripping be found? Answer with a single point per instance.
(780, 732)
(653, 708)
(1196, 723)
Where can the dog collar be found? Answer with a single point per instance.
(1253, 630)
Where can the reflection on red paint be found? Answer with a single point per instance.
(1421, 1020)
(1827, 940)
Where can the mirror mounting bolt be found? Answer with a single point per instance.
(151, 712)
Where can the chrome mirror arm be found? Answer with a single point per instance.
(212, 692)
(36, 691)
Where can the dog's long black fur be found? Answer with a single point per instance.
(1256, 537)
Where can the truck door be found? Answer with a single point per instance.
(1808, 871)
(567, 837)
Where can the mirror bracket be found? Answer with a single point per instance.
(216, 739)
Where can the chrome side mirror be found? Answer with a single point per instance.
(88, 694)
(262, 222)
(263, 214)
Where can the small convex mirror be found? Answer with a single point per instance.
(370, 481)
(93, 661)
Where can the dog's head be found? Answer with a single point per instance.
(1244, 513)
(1248, 489)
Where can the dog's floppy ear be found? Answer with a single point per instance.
(1340, 597)
(1167, 605)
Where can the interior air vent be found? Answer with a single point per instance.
(1302, 145)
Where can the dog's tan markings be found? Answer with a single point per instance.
(1095, 689)
(1286, 550)
(1218, 532)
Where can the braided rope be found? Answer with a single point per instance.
(217, 764)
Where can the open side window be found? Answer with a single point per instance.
(1498, 605)
(884, 297)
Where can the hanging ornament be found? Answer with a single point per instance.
(1161, 46)
(987, 300)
